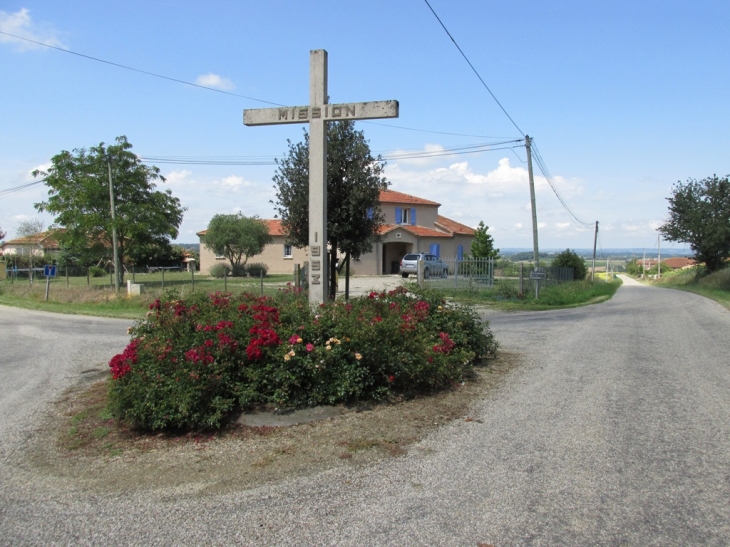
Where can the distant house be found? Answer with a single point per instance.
(39, 244)
(412, 224)
(679, 262)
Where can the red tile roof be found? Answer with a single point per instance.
(419, 231)
(391, 196)
(275, 228)
(679, 262)
(453, 226)
(46, 240)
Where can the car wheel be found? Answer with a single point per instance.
(405, 275)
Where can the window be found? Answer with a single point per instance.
(405, 216)
(287, 250)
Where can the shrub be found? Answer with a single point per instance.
(96, 271)
(220, 270)
(190, 363)
(257, 269)
(569, 259)
(717, 280)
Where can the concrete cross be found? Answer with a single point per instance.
(317, 113)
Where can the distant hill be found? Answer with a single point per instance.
(189, 246)
(517, 254)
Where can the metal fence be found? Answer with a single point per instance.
(487, 273)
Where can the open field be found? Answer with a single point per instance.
(714, 286)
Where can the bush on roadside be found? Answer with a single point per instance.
(570, 259)
(219, 271)
(190, 363)
(96, 271)
(257, 269)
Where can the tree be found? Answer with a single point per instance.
(699, 214)
(354, 181)
(29, 228)
(236, 237)
(570, 259)
(78, 194)
(483, 244)
(2, 234)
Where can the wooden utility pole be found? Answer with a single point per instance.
(595, 239)
(528, 141)
(114, 227)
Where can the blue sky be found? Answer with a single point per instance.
(622, 98)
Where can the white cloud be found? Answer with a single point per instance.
(215, 81)
(176, 178)
(518, 226)
(562, 225)
(20, 24)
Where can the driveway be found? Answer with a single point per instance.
(614, 431)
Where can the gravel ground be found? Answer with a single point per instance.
(614, 431)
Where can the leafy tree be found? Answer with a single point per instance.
(236, 237)
(569, 259)
(2, 234)
(699, 214)
(483, 244)
(78, 194)
(354, 181)
(29, 228)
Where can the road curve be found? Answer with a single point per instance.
(614, 431)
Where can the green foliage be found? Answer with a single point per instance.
(569, 259)
(236, 237)
(257, 269)
(574, 292)
(2, 234)
(354, 181)
(483, 244)
(219, 271)
(698, 215)
(192, 362)
(95, 271)
(716, 280)
(78, 196)
(156, 254)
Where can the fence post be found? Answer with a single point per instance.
(261, 276)
(88, 277)
(67, 276)
(225, 281)
(522, 288)
(192, 278)
(163, 278)
(133, 281)
(297, 274)
(111, 280)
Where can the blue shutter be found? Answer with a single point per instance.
(398, 215)
(460, 252)
(370, 213)
(413, 216)
(435, 249)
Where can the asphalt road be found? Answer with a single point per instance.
(614, 431)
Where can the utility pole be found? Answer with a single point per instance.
(659, 257)
(595, 239)
(114, 226)
(528, 142)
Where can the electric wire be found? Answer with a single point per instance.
(148, 73)
(546, 173)
(20, 188)
(474, 69)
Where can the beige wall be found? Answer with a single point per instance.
(273, 256)
(426, 215)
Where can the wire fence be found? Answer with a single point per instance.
(484, 274)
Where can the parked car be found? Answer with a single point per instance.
(432, 265)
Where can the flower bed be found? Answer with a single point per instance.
(190, 363)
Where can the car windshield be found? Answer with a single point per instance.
(410, 257)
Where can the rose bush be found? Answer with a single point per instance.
(192, 362)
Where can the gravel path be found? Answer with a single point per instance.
(615, 431)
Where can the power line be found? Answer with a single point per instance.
(435, 132)
(139, 70)
(543, 168)
(20, 188)
(474, 69)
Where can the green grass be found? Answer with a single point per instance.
(565, 295)
(715, 286)
(97, 297)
